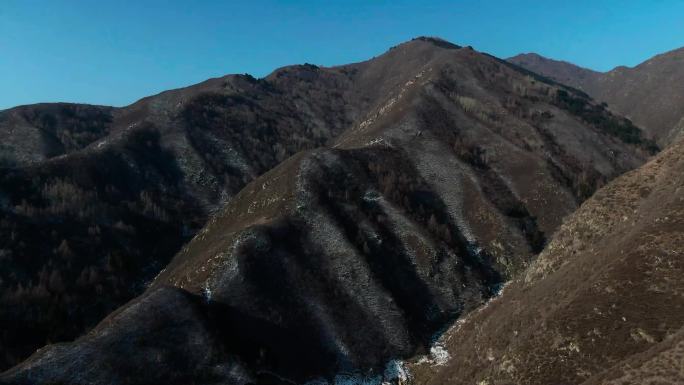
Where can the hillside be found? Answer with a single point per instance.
(94, 201)
(601, 305)
(441, 174)
(558, 70)
(649, 94)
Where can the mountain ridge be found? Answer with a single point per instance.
(645, 93)
(447, 167)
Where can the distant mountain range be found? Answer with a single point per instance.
(327, 224)
(649, 94)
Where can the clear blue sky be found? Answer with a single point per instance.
(115, 52)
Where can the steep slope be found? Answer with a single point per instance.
(456, 167)
(94, 201)
(649, 93)
(602, 304)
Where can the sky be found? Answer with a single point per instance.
(115, 52)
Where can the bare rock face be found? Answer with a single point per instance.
(649, 94)
(439, 174)
(601, 305)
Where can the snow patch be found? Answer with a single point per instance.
(438, 356)
(396, 370)
(395, 373)
(207, 292)
(378, 141)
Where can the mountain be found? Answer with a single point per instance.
(381, 201)
(560, 71)
(649, 94)
(94, 201)
(602, 304)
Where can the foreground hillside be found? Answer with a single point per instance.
(602, 304)
(453, 171)
(94, 201)
(650, 94)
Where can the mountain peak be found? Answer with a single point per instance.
(433, 40)
(438, 41)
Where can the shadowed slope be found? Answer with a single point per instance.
(94, 201)
(34, 133)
